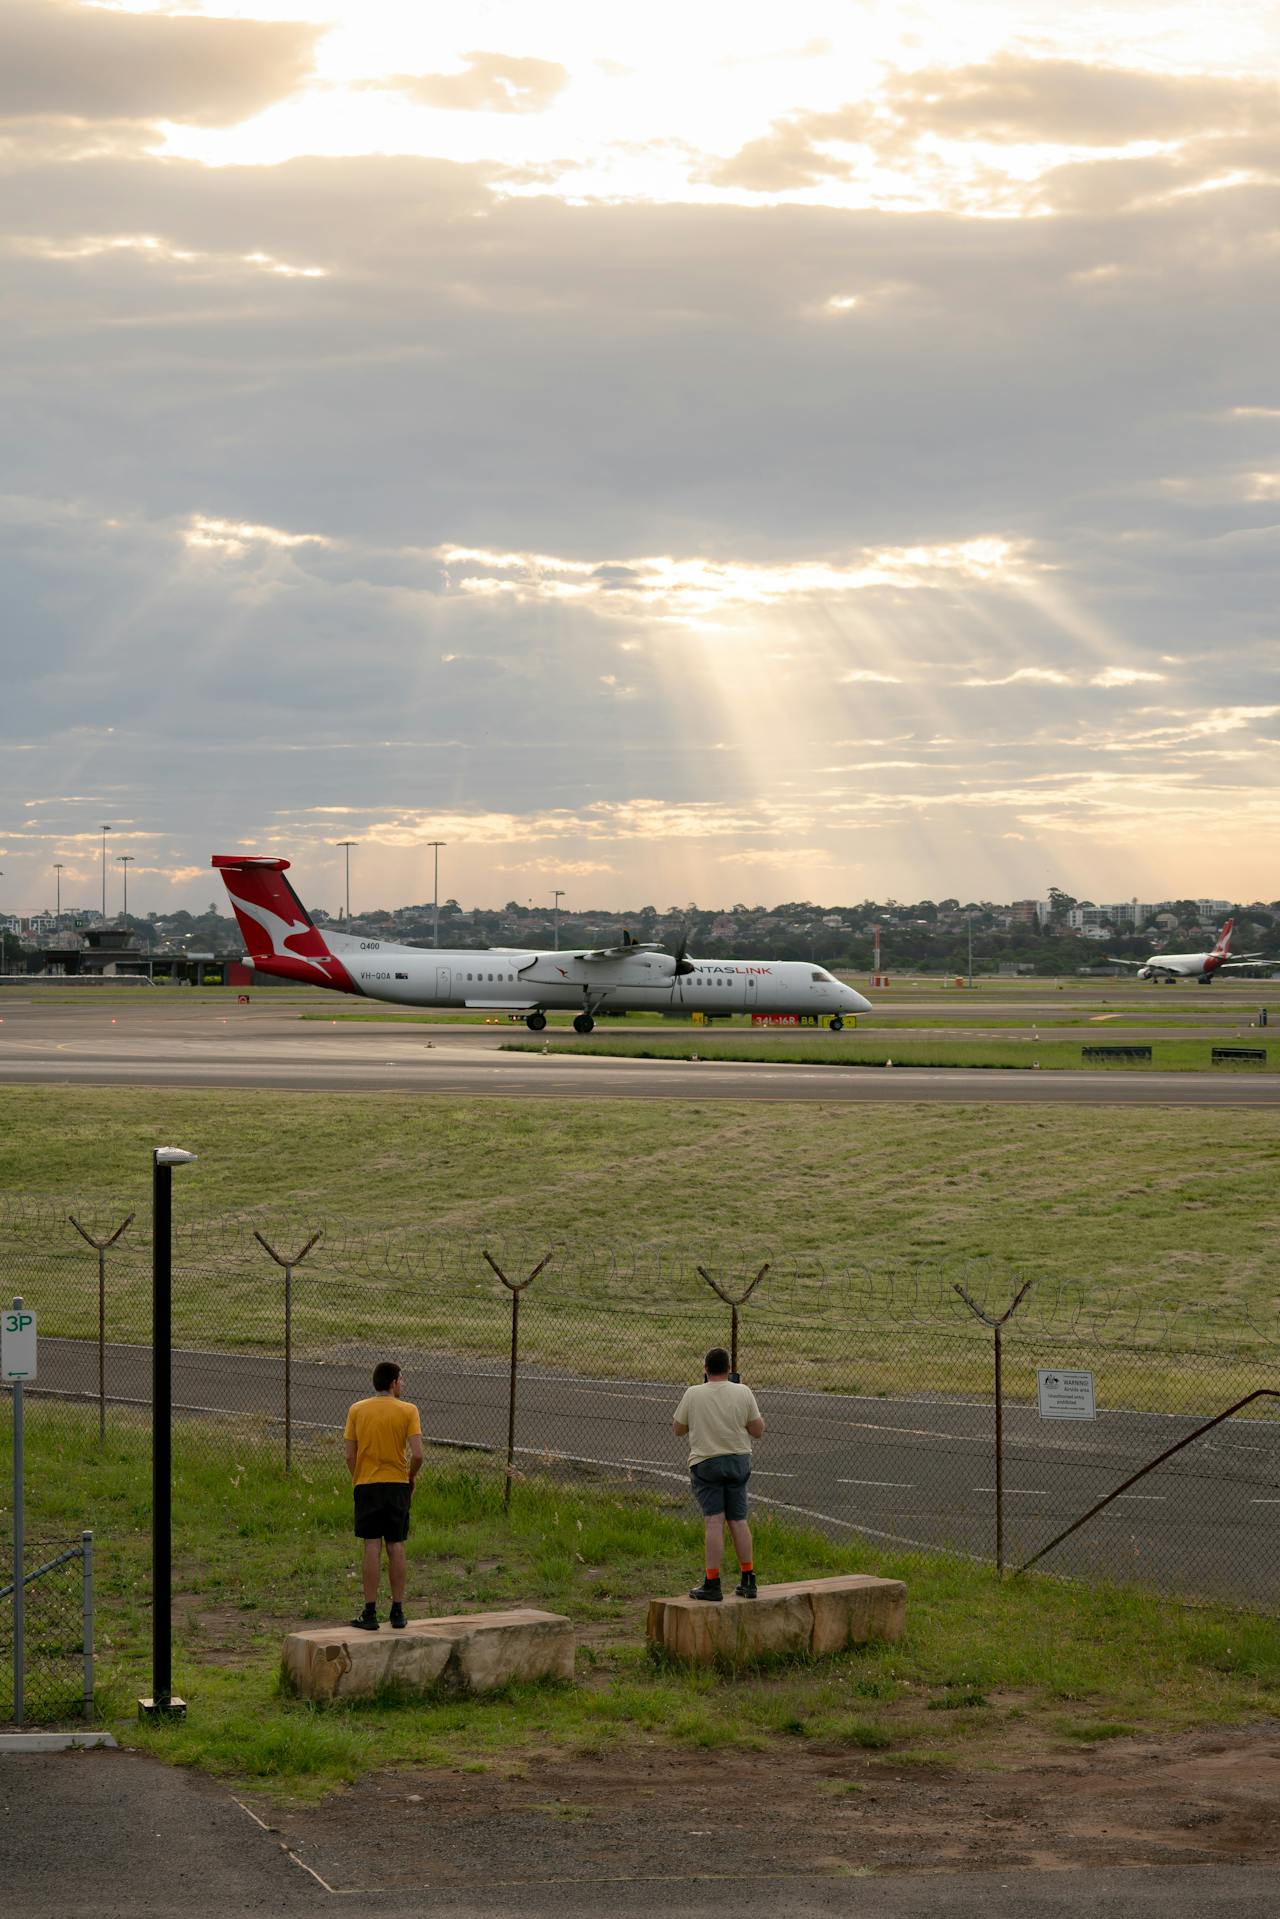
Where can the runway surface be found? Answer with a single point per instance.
(907, 1472)
(151, 1041)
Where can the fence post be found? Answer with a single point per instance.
(86, 1559)
(100, 1248)
(288, 1263)
(997, 1326)
(515, 1287)
(733, 1301)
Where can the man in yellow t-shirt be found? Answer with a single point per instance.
(379, 1433)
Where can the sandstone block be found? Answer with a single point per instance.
(806, 1616)
(476, 1652)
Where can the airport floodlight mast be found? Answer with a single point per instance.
(57, 867)
(2, 968)
(124, 861)
(105, 831)
(435, 893)
(347, 845)
(558, 895)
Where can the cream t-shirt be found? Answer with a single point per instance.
(716, 1414)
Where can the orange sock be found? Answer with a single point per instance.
(745, 1566)
(713, 1572)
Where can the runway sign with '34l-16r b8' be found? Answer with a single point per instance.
(17, 1344)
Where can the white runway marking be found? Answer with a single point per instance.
(899, 1485)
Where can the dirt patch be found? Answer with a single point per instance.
(1198, 1798)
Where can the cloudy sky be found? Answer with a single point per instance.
(716, 451)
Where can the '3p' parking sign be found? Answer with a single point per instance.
(17, 1343)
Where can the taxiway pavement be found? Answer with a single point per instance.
(167, 1042)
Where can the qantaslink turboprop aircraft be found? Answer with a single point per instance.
(634, 977)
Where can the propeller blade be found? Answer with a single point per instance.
(681, 956)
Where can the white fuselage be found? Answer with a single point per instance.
(1181, 966)
(525, 981)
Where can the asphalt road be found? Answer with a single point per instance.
(114, 1835)
(907, 1472)
(167, 1042)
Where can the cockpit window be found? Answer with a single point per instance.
(819, 979)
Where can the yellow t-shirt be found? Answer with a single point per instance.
(382, 1428)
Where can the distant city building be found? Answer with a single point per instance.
(1026, 913)
(1213, 909)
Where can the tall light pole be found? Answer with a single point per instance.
(162, 1704)
(2, 968)
(348, 844)
(57, 867)
(557, 895)
(435, 893)
(124, 860)
(105, 831)
(969, 917)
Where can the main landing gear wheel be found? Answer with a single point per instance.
(535, 1022)
(584, 1023)
(836, 1023)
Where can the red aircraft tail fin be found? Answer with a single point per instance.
(1224, 939)
(278, 931)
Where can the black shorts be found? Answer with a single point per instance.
(720, 1484)
(382, 1511)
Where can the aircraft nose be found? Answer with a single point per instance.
(856, 1003)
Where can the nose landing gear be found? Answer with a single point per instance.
(836, 1023)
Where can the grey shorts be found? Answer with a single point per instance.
(720, 1484)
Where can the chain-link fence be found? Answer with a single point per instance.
(878, 1386)
(52, 1680)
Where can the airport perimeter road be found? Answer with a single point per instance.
(915, 1472)
(195, 1045)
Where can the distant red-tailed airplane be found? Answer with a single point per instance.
(1197, 966)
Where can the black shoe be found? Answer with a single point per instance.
(396, 1616)
(746, 1587)
(709, 1589)
(367, 1620)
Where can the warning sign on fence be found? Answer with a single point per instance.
(1065, 1395)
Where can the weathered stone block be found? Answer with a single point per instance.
(477, 1652)
(808, 1616)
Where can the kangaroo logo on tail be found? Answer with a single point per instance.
(1223, 945)
(277, 929)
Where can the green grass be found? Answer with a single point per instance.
(1166, 1206)
(257, 1554)
(858, 1049)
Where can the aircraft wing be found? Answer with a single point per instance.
(1250, 959)
(616, 952)
(1113, 961)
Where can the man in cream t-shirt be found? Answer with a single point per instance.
(721, 1418)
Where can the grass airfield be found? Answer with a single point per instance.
(1167, 1205)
